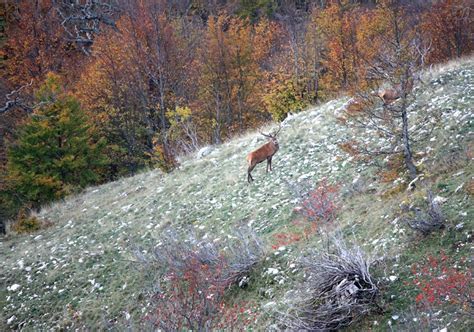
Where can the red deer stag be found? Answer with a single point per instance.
(266, 151)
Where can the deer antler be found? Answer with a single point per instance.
(272, 135)
(279, 128)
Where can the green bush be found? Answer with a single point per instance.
(283, 99)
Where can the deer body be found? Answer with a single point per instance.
(265, 152)
(389, 95)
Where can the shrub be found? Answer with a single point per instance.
(300, 230)
(283, 99)
(319, 204)
(25, 222)
(426, 221)
(193, 276)
(190, 298)
(438, 282)
(338, 290)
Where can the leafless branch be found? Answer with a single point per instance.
(14, 98)
(82, 21)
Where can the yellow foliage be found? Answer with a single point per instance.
(25, 222)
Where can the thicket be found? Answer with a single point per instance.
(338, 290)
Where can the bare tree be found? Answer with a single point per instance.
(83, 20)
(394, 71)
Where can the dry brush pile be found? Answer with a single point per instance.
(338, 290)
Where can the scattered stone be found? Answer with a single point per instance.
(204, 151)
(13, 288)
(459, 226)
(440, 200)
(459, 188)
(244, 282)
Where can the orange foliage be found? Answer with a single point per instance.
(36, 44)
(339, 24)
(448, 25)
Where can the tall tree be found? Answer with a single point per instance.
(56, 151)
(338, 23)
(391, 51)
(448, 26)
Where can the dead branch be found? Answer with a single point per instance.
(427, 221)
(14, 99)
(339, 290)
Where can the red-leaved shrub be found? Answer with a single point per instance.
(300, 230)
(320, 204)
(192, 278)
(438, 282)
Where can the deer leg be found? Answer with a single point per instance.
(269, 163)
(249, 175)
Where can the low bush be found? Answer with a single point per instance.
(25, 222)
(439, 282)
(427, 220)
(338, 290)
(193, 276)
(319, 204)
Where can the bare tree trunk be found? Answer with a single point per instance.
(217, 129)
(407, 154)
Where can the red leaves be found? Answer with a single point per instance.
(439, 283)
(321, 203)
(285, 239)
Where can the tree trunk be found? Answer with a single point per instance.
(407, 154)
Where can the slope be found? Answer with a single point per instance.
(81, 272)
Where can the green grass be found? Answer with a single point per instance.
(82, 273)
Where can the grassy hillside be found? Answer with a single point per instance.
(81, 271)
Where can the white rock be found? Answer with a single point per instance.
(269, 305)
(393, 278)
(13, 288)
(204, 151)
(459, 188)
(440, 200)
(11, 319)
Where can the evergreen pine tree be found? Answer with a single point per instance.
(56, 151)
